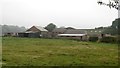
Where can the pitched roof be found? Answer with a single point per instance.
(29, 32)
(59, 30)
(75, 31)
(40, 28)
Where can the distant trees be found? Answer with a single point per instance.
(70, 28)
(100, 28)
(50, 27)
(115, 24)
(11, 28)
(111, 4)
(114, 29)
(111, 31)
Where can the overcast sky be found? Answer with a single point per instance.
(75, 13)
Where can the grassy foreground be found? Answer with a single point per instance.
(54, 52)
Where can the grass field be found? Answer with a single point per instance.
(57, 52)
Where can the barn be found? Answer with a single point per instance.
(34, 31)
(74, 34)
(57, 31)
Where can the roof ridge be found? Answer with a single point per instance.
(41, 28)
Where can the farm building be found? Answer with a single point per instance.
(94, 32)
(74, 34)
(57, 31)
(82, 37)
(75, 31)
(13, 34)
(34, 31)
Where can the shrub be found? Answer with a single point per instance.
(93, 39)
(108, 39)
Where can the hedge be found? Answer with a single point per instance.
(93, 39)
(108, 39)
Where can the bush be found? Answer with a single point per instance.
(108, 39)
(93, 39)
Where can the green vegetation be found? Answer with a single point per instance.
(93, 39)
(54, 52)
(109, 40)
(50, 27)
(114, 29)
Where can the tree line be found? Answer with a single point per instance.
(11, 28)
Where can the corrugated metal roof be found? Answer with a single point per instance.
(59, 30)
(40, 28)
(71, 34)
(75, 31)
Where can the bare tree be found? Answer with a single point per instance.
(111, 4)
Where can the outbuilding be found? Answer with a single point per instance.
(34, 31)
(74, 34)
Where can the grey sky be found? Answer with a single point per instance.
(75, 13)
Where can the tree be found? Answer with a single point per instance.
(70, 28)
(116, 24)
(111, 4)
(50, 27)
(110, 30)
(114, 29)
(11, 29)
(100, 27)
